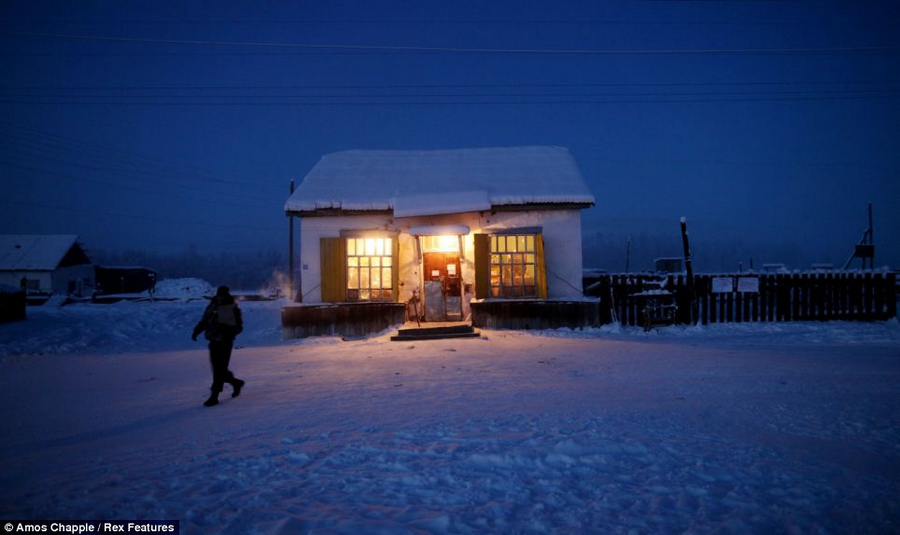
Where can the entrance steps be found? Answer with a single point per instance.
(435, 333)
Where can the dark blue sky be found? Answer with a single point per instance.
(158, 125)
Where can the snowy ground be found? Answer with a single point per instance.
(726, 429)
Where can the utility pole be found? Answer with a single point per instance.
(291, 249)
(688, 266)
(871, 240)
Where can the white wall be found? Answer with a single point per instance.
(562, 246)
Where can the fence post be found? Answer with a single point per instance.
(867, 296)
(878, 298)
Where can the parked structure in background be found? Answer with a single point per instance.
(124, 280)
(12, 303)
(46, 264)
(437, 235)
(669, 265)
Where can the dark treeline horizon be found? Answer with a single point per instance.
(603, 250)
(248, 271)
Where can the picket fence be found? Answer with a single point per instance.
(632, 299)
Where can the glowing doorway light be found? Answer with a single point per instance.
(440, 244)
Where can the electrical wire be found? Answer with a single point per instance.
(461, 50)
(217, 224)
(129, 157)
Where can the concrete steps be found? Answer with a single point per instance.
(435, 333)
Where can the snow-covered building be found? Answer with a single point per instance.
(44, 264)
(438, 230)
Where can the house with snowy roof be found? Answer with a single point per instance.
(45, 264)
(436, 235)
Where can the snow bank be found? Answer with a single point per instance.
(183, 289)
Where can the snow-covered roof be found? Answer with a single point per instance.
(419, 182)
(34, 252)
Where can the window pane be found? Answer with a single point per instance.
(522, 246)
(529, 275)
(369, 268)
(511, 244)
(529, 259)
(493, 244)
(516, 259)
(506, 277)
(501, 244)
(495, 291)
(506, 259)
(517, 275)
(530, 291)
(529, 243)
(495, 259)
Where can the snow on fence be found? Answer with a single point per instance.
(746, 297)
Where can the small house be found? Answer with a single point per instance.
(46, 264)
(436, 236)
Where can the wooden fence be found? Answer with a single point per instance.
(811, 296)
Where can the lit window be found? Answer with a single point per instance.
(369, 268)
(513, 266)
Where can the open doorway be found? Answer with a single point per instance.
(442, 278)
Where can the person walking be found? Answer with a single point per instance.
(220, 324)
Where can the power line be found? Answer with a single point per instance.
(119, 170)
(217, 224)
(130, 157)
(484, 22)
(810, 92)
(460, 50)
(447, 86)
(483, 102)
(67, 176)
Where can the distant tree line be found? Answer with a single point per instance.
(602, 250)
(241, 271)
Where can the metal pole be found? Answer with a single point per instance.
(871, 240)
(688, 266)
(291, 249)
(628, 255)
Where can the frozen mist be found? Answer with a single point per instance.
(721, 429)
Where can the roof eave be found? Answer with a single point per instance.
(340, 212)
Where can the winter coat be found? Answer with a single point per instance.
(221, 320)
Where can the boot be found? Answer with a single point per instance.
(213, 400)
(237, 385)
